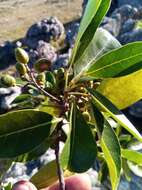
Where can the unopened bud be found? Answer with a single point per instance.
(21, 68)
(7, 81)
(21, 56)
(40, 79)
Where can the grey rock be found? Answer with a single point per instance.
(136, 110)
(113, 25)
(84, 4)
(132, 36)
(43, 50)
(72, 33)
(46, 30)
(138, 14)
(128, 26)
(134, 184)
(62, 61)
(7, 95)
(126, 12)
(7, 56)
(135, 3)
(16, 172)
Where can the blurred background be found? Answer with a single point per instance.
(17, 15)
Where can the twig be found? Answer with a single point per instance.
(59, 169)
(38, 87)
(78, 94)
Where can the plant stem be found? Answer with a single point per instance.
(78, 94)
(38, 87)
(59, 169)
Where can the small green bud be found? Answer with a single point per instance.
(42, 65)
(86, 116)
(7, 81)
(21, 56)
(21, 68)
(40, 79)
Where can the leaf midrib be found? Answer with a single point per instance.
(112, 64)
(112, 161)
(139, 137)
(23, 130)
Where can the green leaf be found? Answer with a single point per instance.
(99, 120)
(103, 172)
(119, 62)
(123, 91)
(7, 186)
(46, 176)
(126, 170)
(80, 148)
(50, 107)
(35, 153)
(110, 146)
(112, 154)
(102, 43)
(22, 131)
(21, 98)
(132, 155)
(50, 77)
(94, 13)
(106, 106)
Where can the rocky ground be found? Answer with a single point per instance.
(17, 15)
(124, 21)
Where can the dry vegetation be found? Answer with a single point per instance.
(17, 15)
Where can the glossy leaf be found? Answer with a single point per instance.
(21, 131)
(47, 175)
(102, 43)
(35, 153)
(116, 63)
(94, 13)
(6, 186)
(103, 172)
(21, 98)
(112, 154)
(50, 107)
(106, 106)
(126, 170)
(132, 155)
(80, 148)
(123, 91)
(99, 120)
